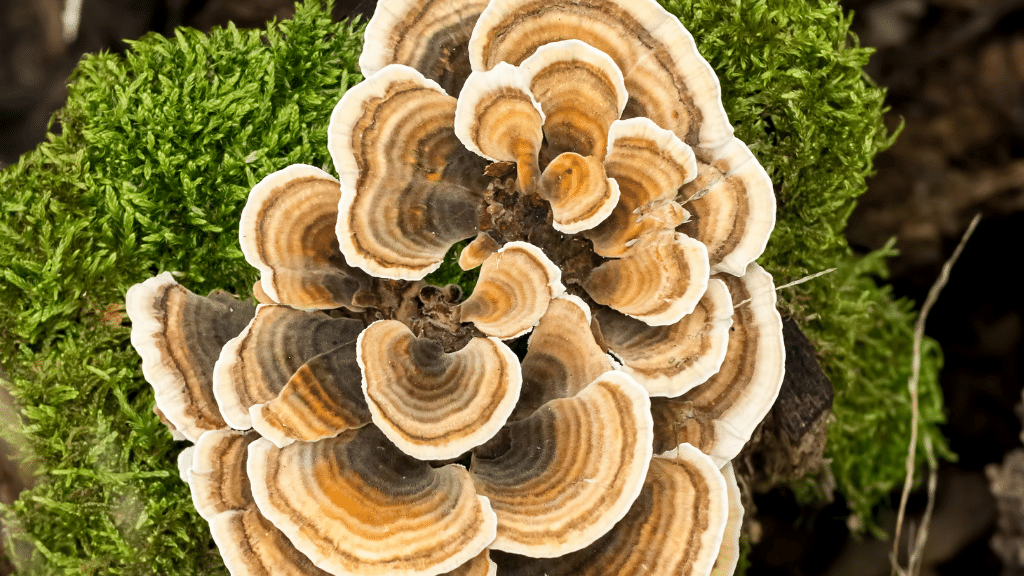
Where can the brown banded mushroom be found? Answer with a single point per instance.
(409, 189)
(431, 36)
(674, 528)
(435, 405)
(667, 80)
(561, 478)
(732, 202)
(255, 366)
(179, 336)
(729, 554)
(720, 415)
(658, 280)
(671, 360)
(248, 542)
(356, 504)
(649, 164)
(580, 193)
(287, 233)
(580, 91)
(322, 399)
(562, 357)
(497, 118)
(515, 287)
(474, 254)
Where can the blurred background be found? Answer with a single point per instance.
(954, 70)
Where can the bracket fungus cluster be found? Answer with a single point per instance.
(360, 421)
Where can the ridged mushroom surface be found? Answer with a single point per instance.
(435, 405)
(179, 336)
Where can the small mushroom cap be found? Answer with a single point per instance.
(356, 504)
(580, 91)
(515, 287)
(498, 118)
(287, 232)
(256, 365)
(435, 405)
(733, 204)
(560, 479)
(179, 336)
(408, 187)
(249, 544)
(431, 36)
(729, 554)
(580, 193)
(322, 399)
(671, 360)
(480, 565)
(649, 164)
(667, 79)
(477, 251)
(659, 280)
(674, 527)
(185, 462)
(562, 357)
(720, 415)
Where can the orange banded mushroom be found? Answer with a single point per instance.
(179, 336)
(409, 190)
(561, 478)
(431, 404)
(431, 36)
(667, 80)
(659, 279)
(671, 360)
(497, 118)
(287, 232)
(580, 193)
(356, 504)
(733, 206)
(720, 415)
(256, 365)
(674, 528)
(515, 287)
(248, 542)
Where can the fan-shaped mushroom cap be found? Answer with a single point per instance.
(673, 528)
(667, 79)
(431, 36)
(477, 251)
(515, 286)
(179, 336)
(184, 462)
(562, 357)
(580, 193)
(563, 477)
(356, 504)
(499, 119)
(322, 399)
(249, 544)
(720, 415)
(733, 204)
(256, 365)
(649, 164)
(581, 92)
(287, 233)
(729, 554)
(670, 360)
(659, 280)
(408, 187)
(435, 405)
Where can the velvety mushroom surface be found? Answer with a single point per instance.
(576, 412)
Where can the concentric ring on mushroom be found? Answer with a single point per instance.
(578, 411)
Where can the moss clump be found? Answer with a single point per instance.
(159, 148)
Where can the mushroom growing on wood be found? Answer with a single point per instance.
(382, 426)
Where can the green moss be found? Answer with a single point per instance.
(156, 154)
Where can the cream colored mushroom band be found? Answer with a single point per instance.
(577, 412)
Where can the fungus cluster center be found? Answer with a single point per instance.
(360, 421)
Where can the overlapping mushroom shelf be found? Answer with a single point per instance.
(360, 421)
